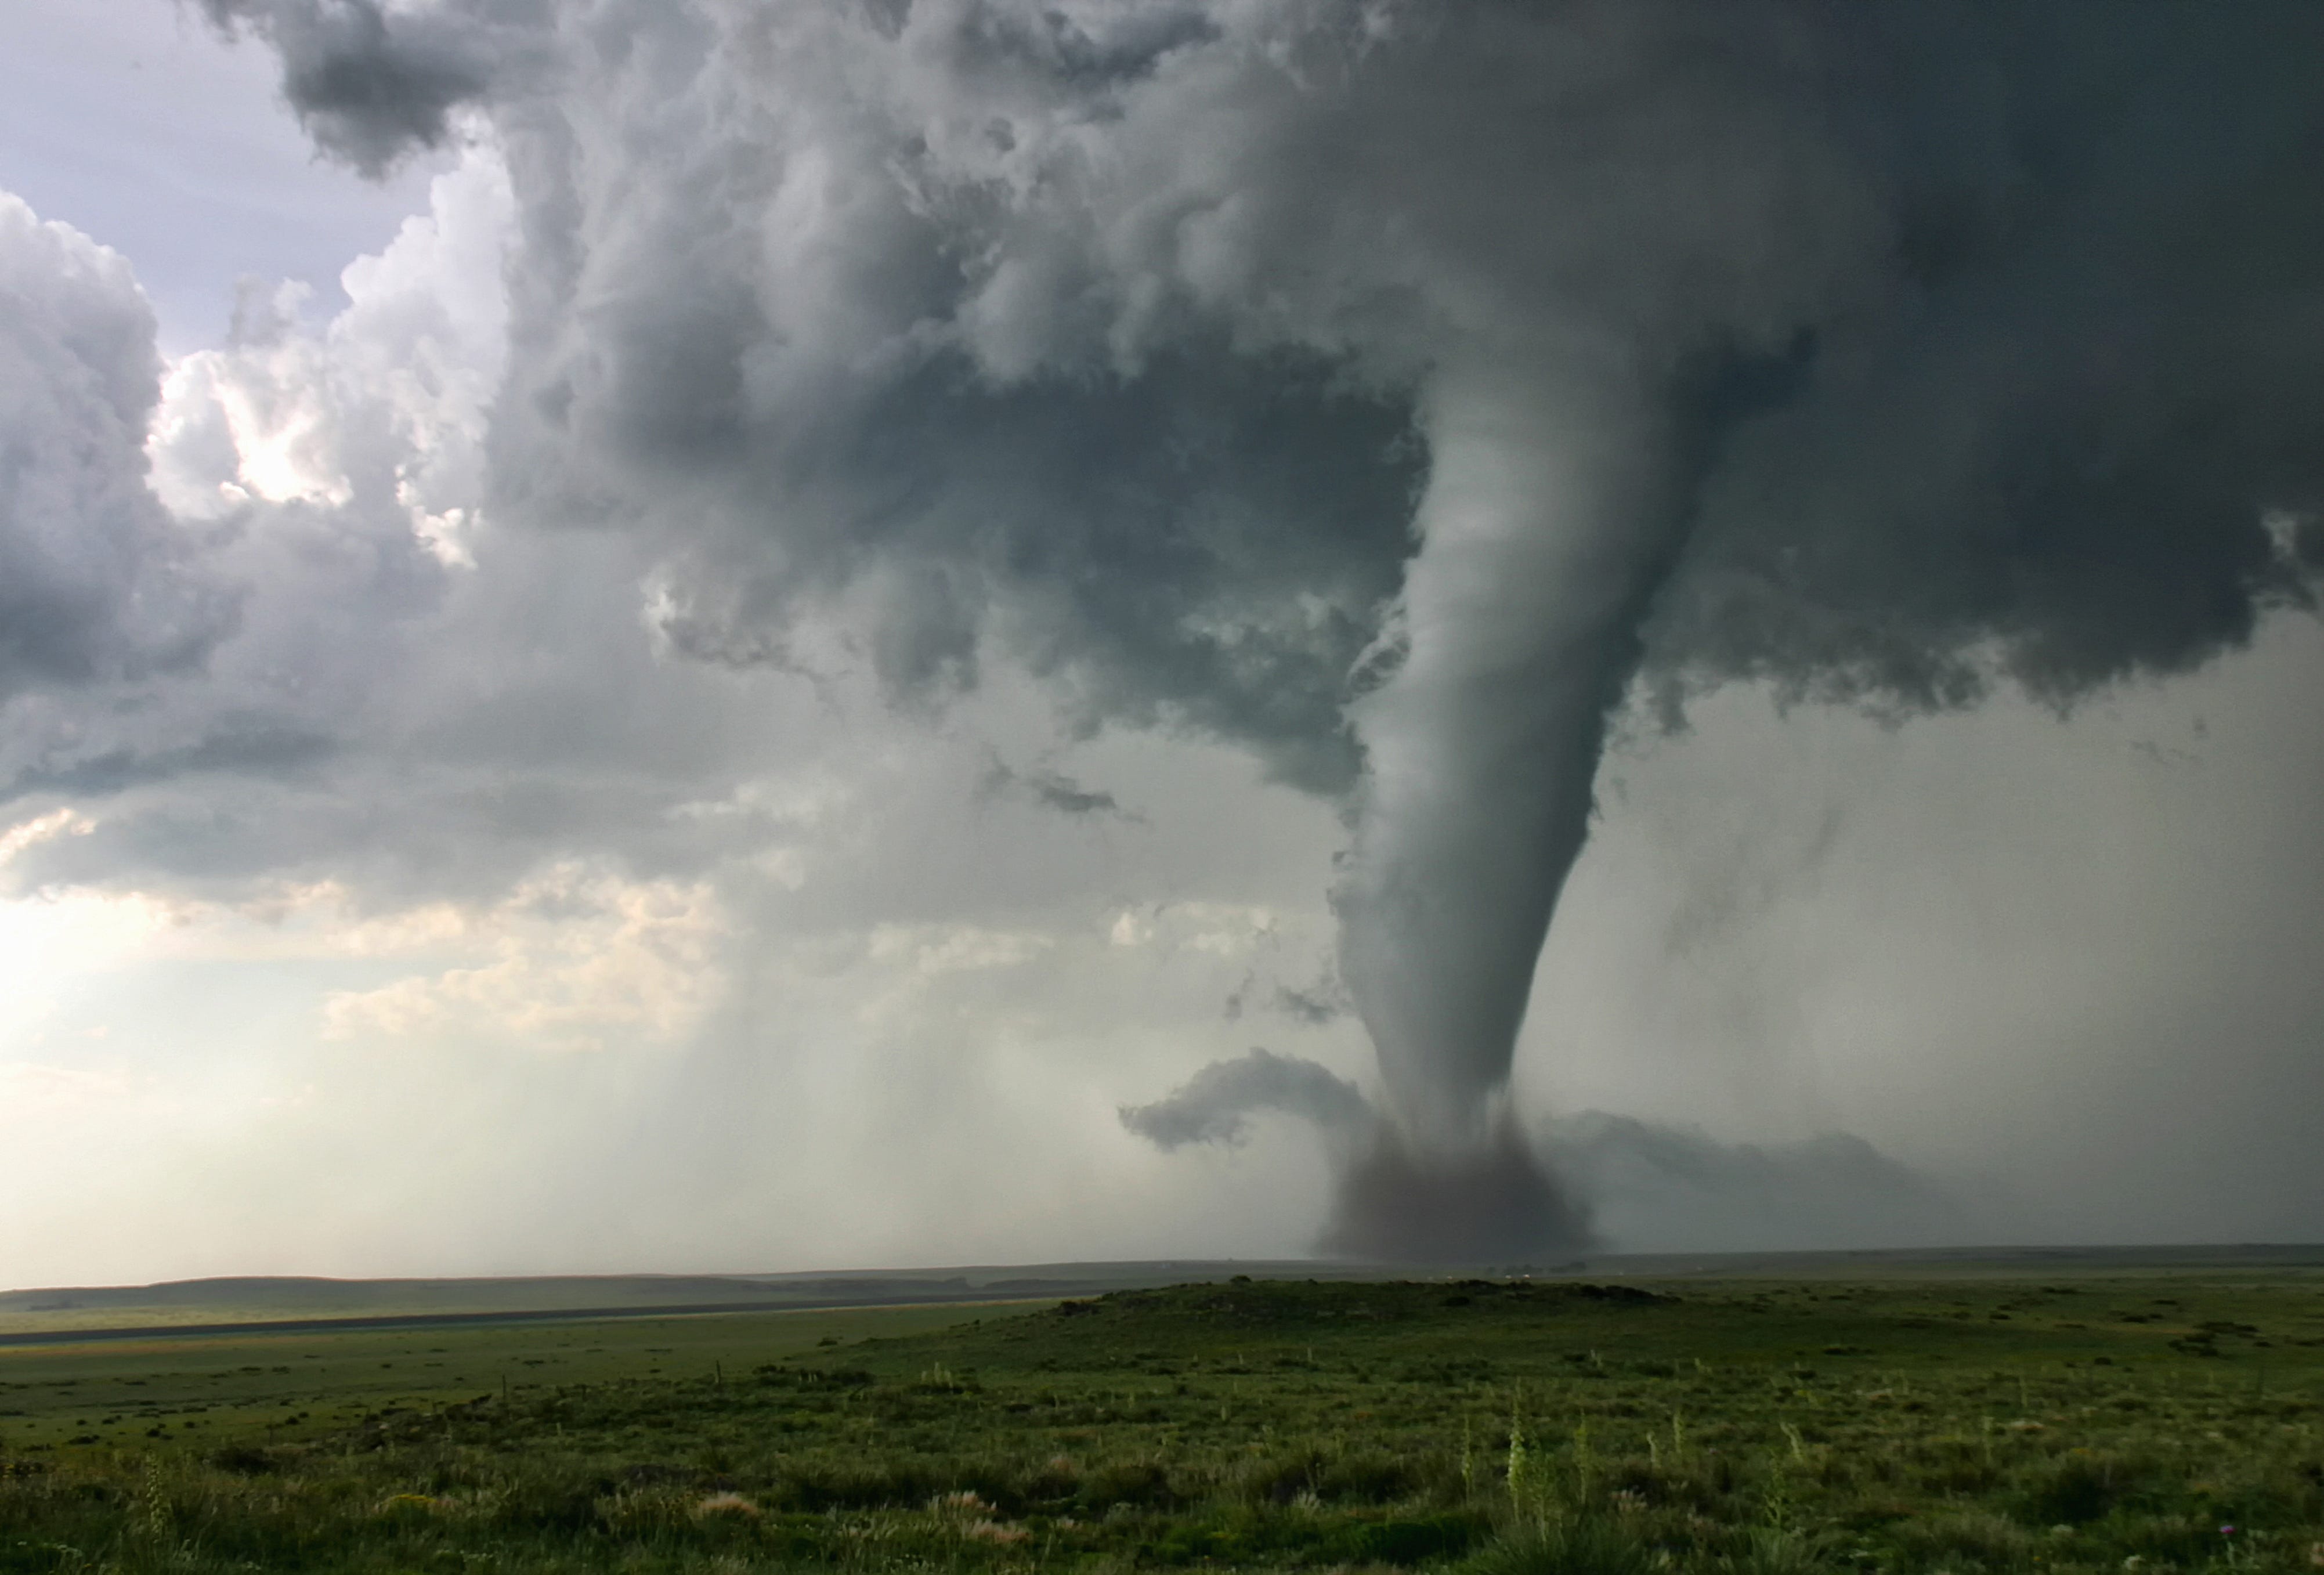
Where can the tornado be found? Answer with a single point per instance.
(1548, 518)
(1519, 613)
(1542, 531)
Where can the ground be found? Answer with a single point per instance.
(2094, 1421)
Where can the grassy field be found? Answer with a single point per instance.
(293, 1389)
(2089, 1423)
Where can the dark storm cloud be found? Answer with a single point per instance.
(1390, 389)
(2056, 364)
(2083, 439)
(369, 82)
(1205, 546)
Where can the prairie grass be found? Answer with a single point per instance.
(1494, 1428)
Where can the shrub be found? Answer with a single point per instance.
(1144, 1484)
(1586, 1546)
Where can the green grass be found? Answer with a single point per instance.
(2091, 1425)
(296, 1387)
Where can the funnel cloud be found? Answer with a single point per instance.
(1400, 391)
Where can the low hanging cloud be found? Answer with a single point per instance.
(1215, 1106)
(1657, 1187)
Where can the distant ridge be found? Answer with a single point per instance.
(242, 1305)
(546, 1291)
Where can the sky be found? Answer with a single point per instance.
(673, 638)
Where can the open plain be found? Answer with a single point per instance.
(2106, 1417)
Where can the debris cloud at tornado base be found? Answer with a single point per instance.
(1398, 390)
(1486, 1200)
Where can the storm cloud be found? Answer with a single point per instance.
(96, 581)
(368, 83)
(1397, 392)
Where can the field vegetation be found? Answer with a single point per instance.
(1493, 1427)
